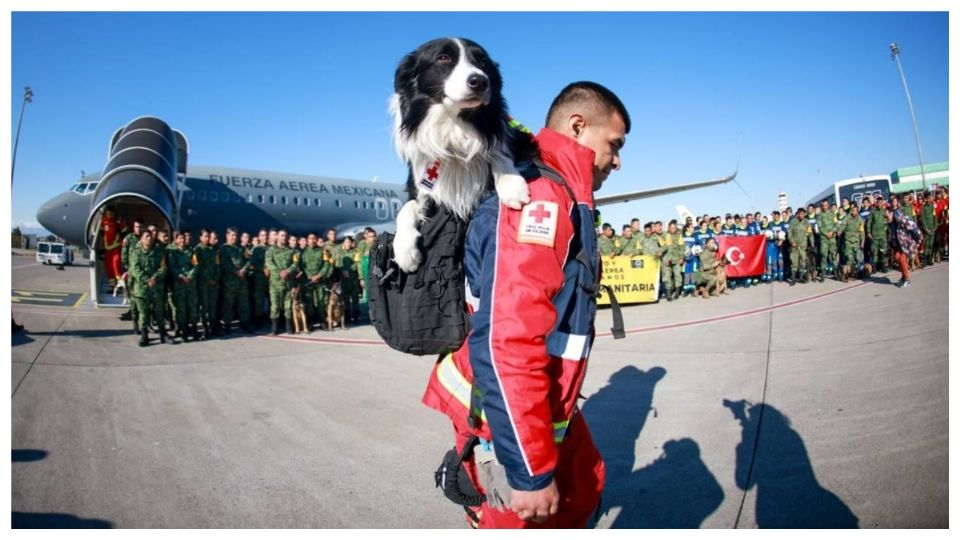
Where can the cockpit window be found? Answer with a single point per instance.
(91, 187)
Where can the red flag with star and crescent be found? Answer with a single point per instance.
(744, 255)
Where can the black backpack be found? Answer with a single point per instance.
(424, 312)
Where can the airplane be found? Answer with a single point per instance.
(147, 178)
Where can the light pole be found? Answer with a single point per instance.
(27, 98)
(895, 53)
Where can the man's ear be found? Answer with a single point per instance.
(576, 123)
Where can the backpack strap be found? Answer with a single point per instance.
(545, 171)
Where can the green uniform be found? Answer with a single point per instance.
(282, 259)
(207, 261)
(827, 224)
(671, 265)
(853, 240)
(260, 283)
(928, 224)
(348, 265)
(876, 227)
(236, 303)
(650, 245)
(798, 235)
(365, 249)
(146, 265)
(707, 275)
(629, 246)
(607, 246)
(181, 265)
(126, 248)
(317, 269)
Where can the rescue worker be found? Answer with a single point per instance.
(928, 224)
(207, 260)
(162, 242)
(650, 245)
(709, 267)
(853, 239)
(827, 225)
(629, 244)
(366, 248)
(332, 248)
(182, 266)
(283, 264)
(528, 431)
(691, 260)
(775, 233)
(317, 269)
(635, 227)
(301, 244)
(130, 242)
(233, 279)
(148, 266)
(876, 230)
(607, 243)
(798, 236)
(728, 228)
(111, 243)
(348, 265)
(671, 265)
(259, 311)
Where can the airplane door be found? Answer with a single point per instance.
(382, 208)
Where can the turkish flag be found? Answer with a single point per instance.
(744, 255)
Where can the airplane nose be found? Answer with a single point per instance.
(52, 213)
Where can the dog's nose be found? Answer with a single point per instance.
(477, 82)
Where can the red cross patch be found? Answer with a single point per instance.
(430, 176)
(538, 223)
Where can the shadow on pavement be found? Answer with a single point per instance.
(677, 489)
(788, 494)
(28, 520)
(28, 454)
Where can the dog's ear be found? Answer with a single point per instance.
(405, 75)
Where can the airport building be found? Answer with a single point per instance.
(899, 181)
(909, 179)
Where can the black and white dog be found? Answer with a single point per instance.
(452, 129)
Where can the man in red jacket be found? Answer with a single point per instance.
(110, 228)
(512, 388)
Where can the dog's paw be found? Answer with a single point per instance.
(405, 252)
(512, 190)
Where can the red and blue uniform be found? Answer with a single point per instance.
(532, 330)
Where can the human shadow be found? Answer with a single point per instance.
(676, 490)
(21, 338)
(788, 494)
(30, 520)
(28, 454)
(104, 333)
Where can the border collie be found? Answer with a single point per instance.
(452, 129)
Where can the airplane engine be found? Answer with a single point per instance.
(140, 178)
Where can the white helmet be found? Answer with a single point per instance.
(769, 234)
(696, 250)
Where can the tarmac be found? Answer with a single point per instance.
(818, 405)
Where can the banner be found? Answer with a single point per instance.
(633, 279)
(744, 255)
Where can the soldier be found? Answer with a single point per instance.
(162, 242)
(798, 237)
(233, 273)
(207, 260)
(606, 243)
(635, 227)
(650, 245)
(317, 268)
(218, 307)
(183, 267)
(348, 265)
(629, 244)
(283, 264)
(928, 224)
(148, 266)
(827, 225)
(366, 247)
(709, 266)
(876, 230)
(671, 266)
(271, 238)
(258, 258)
(853, 239)
(332, 249)
(129, 244)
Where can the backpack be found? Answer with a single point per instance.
(424, 312)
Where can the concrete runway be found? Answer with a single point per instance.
(840, 392)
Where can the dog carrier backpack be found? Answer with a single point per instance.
(423, 312)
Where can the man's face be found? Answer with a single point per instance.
(180, 241)
(605, 135)
(162, 237)
(272, 238)
(188, 238)
(214, 239)
(231, 238)
(729, 222)
(292, 242)
(608, 232)
(245, 239)
(647, 231)
(658, 228)
(628, 233)
(635, 226)
(672, 228)
(749, 219)
(347, 243)
(302, 242)
(282, 238)
(137, 228)
(147, 240)
(332, 236)
(263, 236)
(312, 240)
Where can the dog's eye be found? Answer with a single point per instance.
(444, 58)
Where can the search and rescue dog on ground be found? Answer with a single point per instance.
(451, 128)
(335, 312)
(299, 312)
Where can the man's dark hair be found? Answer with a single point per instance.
(588, 93)
(231, 230)
(606, 226)
(635, 219)
(672, 222)
(627, 226)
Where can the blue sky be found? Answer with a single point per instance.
(816, 96)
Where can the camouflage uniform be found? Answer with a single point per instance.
(181, 264)
(671, 266)
(607, 246)
(798, 235)
(316, 265)
(207, 260)
(234, 287)
(876, 227)
(130, 242)
(348, 265)
(827, 224)
(630, 246)
(146, 265)
(853, 241)
(650, 245)
(278, 259)
(928, 224)
(707, 276)
(258, 262)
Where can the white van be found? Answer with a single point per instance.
(54, 253)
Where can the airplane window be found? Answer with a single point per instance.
(380, 205)
(273, 200)
(339, 204)
(249, 198)
(356, 204)
(316, 202)
(306, 201)
(260, 198)
(202, 195)
(296, 201)
(213, 196)
(91, 187)
(283, 199)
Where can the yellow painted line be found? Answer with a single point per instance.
(80, 300)
(18, 300)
